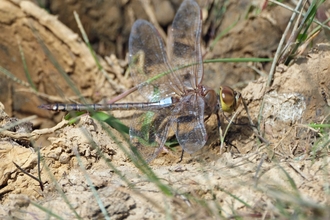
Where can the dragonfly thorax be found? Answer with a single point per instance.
(211, 100)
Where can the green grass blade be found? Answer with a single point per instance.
(50, 213)
(112, 121)
(26, 69)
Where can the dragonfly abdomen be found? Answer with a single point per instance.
(109, 107)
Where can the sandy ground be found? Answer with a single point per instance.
(246, 178)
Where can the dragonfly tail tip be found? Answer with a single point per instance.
(46, 106)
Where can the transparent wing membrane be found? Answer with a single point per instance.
(185, 50)
(190, 129)
(148, 132)
(148, 61)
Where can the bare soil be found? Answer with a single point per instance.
(246, 168)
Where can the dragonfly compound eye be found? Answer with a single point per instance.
(228, 99)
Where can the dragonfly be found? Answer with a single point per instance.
(171, 83)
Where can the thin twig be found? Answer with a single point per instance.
(39, 170)
(34, 135)
(18, 122)
(30, 175)
(297, 12)
(222, 137)
(294, 33)
(279, 48)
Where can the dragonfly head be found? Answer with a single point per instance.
(229, 99)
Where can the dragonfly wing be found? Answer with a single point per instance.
(148, 132)
(149, 62)
(186, 49)
(190, 128)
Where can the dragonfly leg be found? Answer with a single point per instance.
(252, 126)
(181, 157)
(232, 146)
(207, 118)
